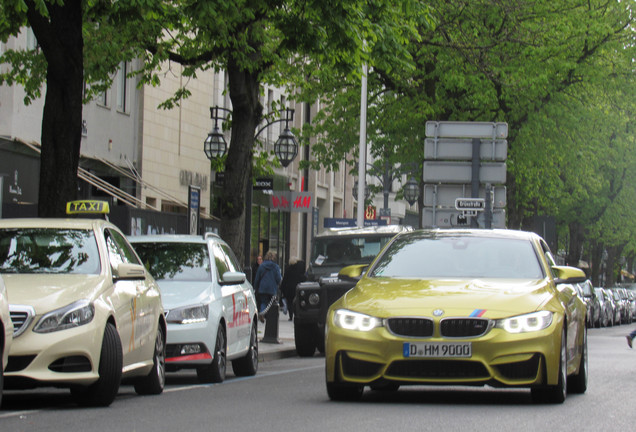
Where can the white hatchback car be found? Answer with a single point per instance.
(210, 307)
(85, 312)
(6, 332)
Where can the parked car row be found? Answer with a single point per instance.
(607, 307)
(83, 310)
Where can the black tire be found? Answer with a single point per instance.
(578, 383)
(153, 383)
(555, 394)
(215, 371)
(103, 391)
(1, 377)
(305, 339)
(344, 392)
(248, 365)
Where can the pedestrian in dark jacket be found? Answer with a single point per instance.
(294, 275)
(266, 282)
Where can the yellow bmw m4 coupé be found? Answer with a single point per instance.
(459, 307)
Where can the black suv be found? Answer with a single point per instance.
(332, 250)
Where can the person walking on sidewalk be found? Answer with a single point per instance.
(294, 274)
(266, 283)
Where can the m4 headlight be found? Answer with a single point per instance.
(188, 315)
(74, 315)
(350, 320)
(526, 323)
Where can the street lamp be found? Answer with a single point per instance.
(214, 145)
(285, 148)
(355, 191)
(411, 191)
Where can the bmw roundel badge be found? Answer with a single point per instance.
(438, 312)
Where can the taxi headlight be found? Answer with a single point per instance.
(188, 315)
(74, 315)
(314, 299)
(350, 320)
(526, 323)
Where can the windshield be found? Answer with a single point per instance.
(48, 250)
(175, 261)
(342, 251)
(421, 257)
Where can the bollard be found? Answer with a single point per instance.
(271, 325)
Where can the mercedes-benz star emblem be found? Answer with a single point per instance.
(438, 312)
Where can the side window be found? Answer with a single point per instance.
(119, 250)
(220, 260)
(231, 259)
(549, 257)
(114, 255)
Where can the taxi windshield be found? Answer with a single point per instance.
(458, 257)
(175, 261)
(48, 250)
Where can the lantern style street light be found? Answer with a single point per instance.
(411, 191)
(285, 148)
(214, 145)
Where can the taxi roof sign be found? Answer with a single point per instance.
(87, 207)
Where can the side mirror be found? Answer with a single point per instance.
(232, 278)
(128, 271)
(352, 273)
(566, 274)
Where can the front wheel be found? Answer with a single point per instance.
(578, 383)
(103, 391)
(215, 371)
(248, 365)
(344, 392)
(305, 339)
(154, 382)
(557, 393)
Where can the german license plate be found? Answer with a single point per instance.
(438, 349)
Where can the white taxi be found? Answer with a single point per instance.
(85, 311)
(6, 332)
(210, 306)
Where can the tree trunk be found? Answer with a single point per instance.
(246, 115)
(596, 258)
(576, 244)
(62, 44)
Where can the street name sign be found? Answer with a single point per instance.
(470, 204)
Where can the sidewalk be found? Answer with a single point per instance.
(271, 350)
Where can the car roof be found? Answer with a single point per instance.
(79, 223)
(171, 238)
(476, 232)
(383, 229)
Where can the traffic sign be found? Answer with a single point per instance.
(470, 204)
(461, 172)
(448, 129)
(451, 218)
(444, 195)
(462, 149)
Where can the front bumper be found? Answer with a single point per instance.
(181, 340)
(498, 358)
(63, 358)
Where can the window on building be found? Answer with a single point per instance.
(122, 87)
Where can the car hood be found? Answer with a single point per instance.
(490, 298)
(47, 292)
(184, 293)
